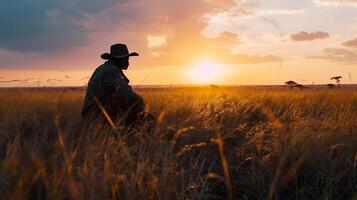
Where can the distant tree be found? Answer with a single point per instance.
(290, 84)
(337, 79)
(301, 87)
(330, 86)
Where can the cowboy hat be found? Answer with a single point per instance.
(118, 51)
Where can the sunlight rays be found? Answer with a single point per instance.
(206, 72)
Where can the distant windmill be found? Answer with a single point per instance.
(337, 79)
(290, 84)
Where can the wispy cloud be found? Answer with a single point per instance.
(306, 36)
(156, 41)
(335, 2)
(351, 43)
(254, 59)
(338, 55)
(266, 12)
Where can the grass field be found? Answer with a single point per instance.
(209, 143)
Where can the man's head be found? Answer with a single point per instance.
(119, 54)
(123, 63)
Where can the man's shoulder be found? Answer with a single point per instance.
(107, 67)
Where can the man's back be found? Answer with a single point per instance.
(110, 87)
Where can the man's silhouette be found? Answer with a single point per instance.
(109, 87)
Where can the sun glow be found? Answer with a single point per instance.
(206, 72)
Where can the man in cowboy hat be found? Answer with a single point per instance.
(109, 88)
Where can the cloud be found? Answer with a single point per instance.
(185, 42)
(338, 55)
(44, 25)
(225, 40)
(267, 12)
(261, 26)
(335, 2)
(156, 41)
(157, 54)
(305, 36)
(165, 33)
(253, 59)
(351, 43)
(60, 32)
(183, 50)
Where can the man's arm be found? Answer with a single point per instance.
(112, 81)
(115, 83)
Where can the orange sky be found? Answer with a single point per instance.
(227, 42)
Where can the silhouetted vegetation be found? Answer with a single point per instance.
(293, 84)
(331, 86)
(241, 143)
(337, 79)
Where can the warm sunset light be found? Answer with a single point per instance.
(267, 43)
(206, 72)
(178, 99)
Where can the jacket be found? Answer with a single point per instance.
(109, 84)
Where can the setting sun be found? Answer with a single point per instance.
(206, 72)
(178, 99)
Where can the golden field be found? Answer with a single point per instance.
(209, 143)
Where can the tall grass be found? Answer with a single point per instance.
(209, 143)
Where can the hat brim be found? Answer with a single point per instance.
(107, 56)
